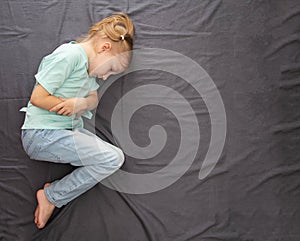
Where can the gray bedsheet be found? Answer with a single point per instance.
(250, 50)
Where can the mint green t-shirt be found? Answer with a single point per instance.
(63, 73)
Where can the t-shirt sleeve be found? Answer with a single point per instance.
(54, 70)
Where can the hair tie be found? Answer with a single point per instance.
(122, 37)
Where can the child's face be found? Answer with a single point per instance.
(106, 64)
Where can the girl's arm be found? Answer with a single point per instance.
(77, 106)
(92, 100)
(40, 97)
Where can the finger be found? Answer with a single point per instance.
(67, 113)
(61, 111)
(56, 108)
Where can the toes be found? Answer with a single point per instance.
(38, 221)
(36, 214)
(40, 225)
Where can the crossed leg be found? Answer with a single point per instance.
(95, 159)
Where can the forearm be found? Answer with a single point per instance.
(62, 106)
(46, 102)
(76, 106)
(91, 102)
(87, 103)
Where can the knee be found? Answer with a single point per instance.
(117, 158)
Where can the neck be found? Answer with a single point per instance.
(89, 50)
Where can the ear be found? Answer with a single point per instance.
(106, 46)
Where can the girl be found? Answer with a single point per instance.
(65, 90)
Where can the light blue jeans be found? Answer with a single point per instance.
(95, 159)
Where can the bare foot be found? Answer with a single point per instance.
(36, 213)
(44, 208)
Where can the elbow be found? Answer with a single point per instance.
(33, 100)
(94, 106)
(92, 102)
(96, 102)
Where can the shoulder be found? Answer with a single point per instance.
(66, 55)
(68, 52)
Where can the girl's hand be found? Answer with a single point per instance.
(70, 106)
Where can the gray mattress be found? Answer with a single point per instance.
(249, 191)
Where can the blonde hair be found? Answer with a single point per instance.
(117, 27)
